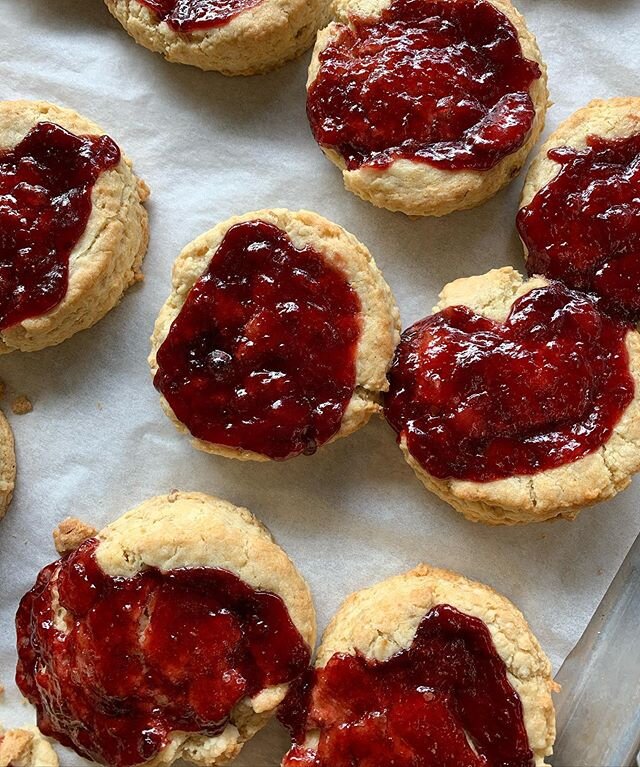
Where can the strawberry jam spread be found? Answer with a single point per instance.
(262, 356)
(482, 400)
(45, 203)
(445, 701)
(443, 82)
(134, 659)
(583, 227)
(194, 15)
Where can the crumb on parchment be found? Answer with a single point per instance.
(70, 533)
(21, 405)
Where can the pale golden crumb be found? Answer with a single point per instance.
(21, 405)
(25, 748)
(70, 533)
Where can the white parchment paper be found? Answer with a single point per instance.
(97, 443)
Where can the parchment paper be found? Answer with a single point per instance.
(97, 443)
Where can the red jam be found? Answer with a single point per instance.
(45, 203)
(438, 81)
(583, 227)
(144, 656)
(262, 355)
(419, 708)
(194, 15)
(482, 400)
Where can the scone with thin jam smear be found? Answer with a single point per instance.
(276, 338)
(172, 634)
(516, 401)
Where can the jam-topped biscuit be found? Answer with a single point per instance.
(580, 211)
(426, 669)
(516, 400)
(276, 338)
(7, 465)
(174, 633)
(426, 106)
(235, 37)
(73, 224)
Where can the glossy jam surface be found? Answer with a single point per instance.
(438, 81)
(45, 203)
(583, 227)
(262, 355)
(414, 709)
(481, 400)
(194, 15)
(137, 658)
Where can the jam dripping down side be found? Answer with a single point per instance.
(446, 701)
(133, 659)
(583, 227)
(193, 15)
(482, 400)
(46, 183)
(262, 356)
(434, 81)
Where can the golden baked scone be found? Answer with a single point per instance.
(202, 605)
(107, 257)
(543, 418)
(432, 613)
(243, 350)
(25, 747)
(245, 37)
(7, 465)
(394, 179)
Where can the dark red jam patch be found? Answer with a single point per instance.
(482, 400)
(45, 203)
(263, 353)
(414, 709)
(141, 657)
(583, 227)
(194, 15)
(438, 81)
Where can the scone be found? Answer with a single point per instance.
(172, 634)
(25, 747)
(427, 106)
(7, 465)
(276, 338)
(235, 37)
(579, 217)
(517, 400)
(426, 669)
(73, 224)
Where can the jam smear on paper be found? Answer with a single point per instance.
(194, 15)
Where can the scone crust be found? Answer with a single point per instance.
(198, 530)
(417, 188)
(382, 620)
(7, 465)
(108, 256)
(560, 492)
(380, 316)
(259, 39)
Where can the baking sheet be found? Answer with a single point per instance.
(97, 443)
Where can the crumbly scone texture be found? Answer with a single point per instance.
(198, 530)
(417, 188)
(560, 492)
(258, 40)
(382, 620)
(108, 257)
(380, 332)
(26, 747)
(7, 465)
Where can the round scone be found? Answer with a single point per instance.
(276, 338)
(426, 107)
(172, 634)
(74, 227)
(426, 669)
(235, 37)
(580, 210)
(516, 401)
(7, 465)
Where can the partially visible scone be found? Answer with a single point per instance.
(25, 747)
(77, 214)
(276, 338)
(7, 465)
(241, 37)
(425, 668)
(183, 625)
(517, 400)
(426, 112)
